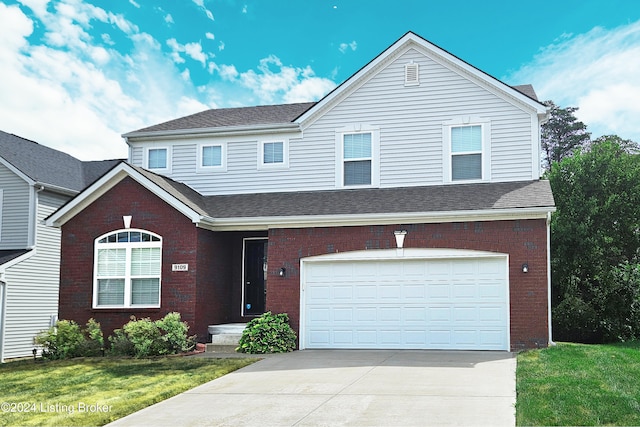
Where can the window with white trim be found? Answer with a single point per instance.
(212, 157)
(466, 152)
(127, 269)
(273, 154)
(357, 156)
(158, 159)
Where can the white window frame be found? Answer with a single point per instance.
(447, 154)
(375, 155)
(166, 169)
(285, 154)
(223, 157)
(127, 277)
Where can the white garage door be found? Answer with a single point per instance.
(406, 304)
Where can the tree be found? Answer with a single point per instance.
(595, 241)
(562, 134)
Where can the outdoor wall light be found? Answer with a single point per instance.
(525, 268)
(282, 272)
(400, 234)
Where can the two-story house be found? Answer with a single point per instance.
(35, 181)
(403, 210)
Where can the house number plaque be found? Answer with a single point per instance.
(179, 267)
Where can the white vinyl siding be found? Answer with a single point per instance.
(409, 119)
(15, 214)
(32, 285)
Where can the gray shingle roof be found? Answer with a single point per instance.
(527, 90)
(48, 166)
(229, 117)
(424, 199)
(438, 198)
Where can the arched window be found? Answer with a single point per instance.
(127, 269)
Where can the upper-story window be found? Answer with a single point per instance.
(273, 154)
(212, 157)
(158, 159)
(467, 150)
(357, 157)
(127, 269)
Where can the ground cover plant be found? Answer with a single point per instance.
(579, 384)
(96, 391)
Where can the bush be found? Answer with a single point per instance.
(144, 338)
(269, 333)
(175, 334)
(66, 339)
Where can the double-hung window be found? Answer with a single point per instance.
(466, 152)
(127, 269)
(357, 157)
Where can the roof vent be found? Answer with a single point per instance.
(411, 75)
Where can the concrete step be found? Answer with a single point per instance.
(225, 338)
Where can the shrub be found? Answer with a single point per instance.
(60, 341)
(144, 338)
(66, 340)
(175, 334)
(269, 333)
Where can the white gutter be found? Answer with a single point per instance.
(549, 277)
(303, 221)
(221, 131)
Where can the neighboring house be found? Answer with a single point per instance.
(228, 213)
(34, 182)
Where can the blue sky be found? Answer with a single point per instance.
(76, 74)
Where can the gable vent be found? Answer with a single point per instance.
(411, 74)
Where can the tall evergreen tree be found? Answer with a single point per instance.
(562, 134)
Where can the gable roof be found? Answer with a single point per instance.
(49, 167)
(291, 115)
(435, 203)
(262, 115)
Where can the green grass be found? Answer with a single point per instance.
(50, 393)
(577, 384)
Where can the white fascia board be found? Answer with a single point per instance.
(17, 260)
(221, 131)
(303, 221)
(107, 182)
(17, 171)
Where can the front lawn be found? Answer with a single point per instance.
(96, 391)
(577, 384)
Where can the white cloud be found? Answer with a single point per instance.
(136, 5)
(192, 50)
(169, 19)
(244, 9)
(274, 82)
(596, 72)
(210, 36)
(80, 97)
(346, 46)
(200, 4)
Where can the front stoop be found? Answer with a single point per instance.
(225, 338)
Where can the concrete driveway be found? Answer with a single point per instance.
(351, 388)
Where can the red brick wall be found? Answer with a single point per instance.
(104, 215)
(524, 241)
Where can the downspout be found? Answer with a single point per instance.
(549, 277)
(33, 225)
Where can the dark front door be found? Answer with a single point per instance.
(255, 270)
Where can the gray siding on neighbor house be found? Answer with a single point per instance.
(14, 219)
(410, 119)
(32, 285)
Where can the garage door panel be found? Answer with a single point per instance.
(431, 304)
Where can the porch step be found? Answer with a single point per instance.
(225, 338)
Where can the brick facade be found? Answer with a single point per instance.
(524, 241)
(210, 291)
